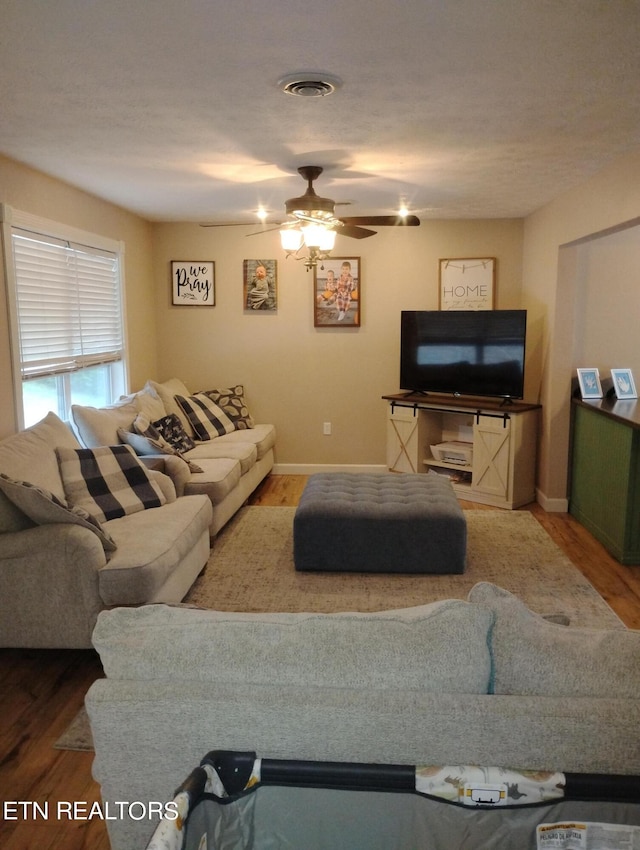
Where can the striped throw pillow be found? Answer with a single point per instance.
(207, 419)
(108, 481)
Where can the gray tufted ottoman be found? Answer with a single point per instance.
(384, 523)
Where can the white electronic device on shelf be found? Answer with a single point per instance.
(456, 451)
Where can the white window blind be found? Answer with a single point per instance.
(67, 303)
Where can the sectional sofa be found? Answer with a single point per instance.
(100, 514)
(229, 454)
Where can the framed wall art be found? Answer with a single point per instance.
(337, 292)
(589, 380)
(467, 283)
(623, 384)
(260, 285)
(193, 283)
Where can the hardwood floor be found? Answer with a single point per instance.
(42, 690)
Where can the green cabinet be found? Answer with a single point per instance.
(605, 474)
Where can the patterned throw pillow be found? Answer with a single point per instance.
(232, 401)
(144, 443)
(108, 482)
(45, 508)
(171, 429)
(206, 418)
(147, 440)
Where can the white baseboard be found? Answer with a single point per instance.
(552, 506)
(312, 468)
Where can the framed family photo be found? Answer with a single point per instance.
(623, 384)
(589, 380)
(193, 283)
(337, 293)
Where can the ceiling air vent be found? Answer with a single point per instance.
(305, 84)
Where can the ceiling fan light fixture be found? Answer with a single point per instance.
(318, 236)
(309, 84)
(291, 239)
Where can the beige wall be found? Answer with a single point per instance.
(30, 191)
(581, 276)
(298, 376)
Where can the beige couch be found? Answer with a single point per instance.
(231, 465)
(484, 681)
(59, 568)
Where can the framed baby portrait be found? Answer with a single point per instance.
(337, 293)
(260, 285)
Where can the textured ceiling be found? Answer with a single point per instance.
(461, 108)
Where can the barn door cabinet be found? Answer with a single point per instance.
(489, 451)
(605, 473)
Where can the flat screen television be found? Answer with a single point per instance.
(463, 352)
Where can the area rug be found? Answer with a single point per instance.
(251, 569)
(77, 736)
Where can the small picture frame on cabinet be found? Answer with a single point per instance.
(589, 380)
(623, 384)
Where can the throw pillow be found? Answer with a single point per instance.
(147, 440)
(170, 428)
(109, 481)
(206, 418)
(166, 392)
(97, 426)
(45, 508)
(231, 400)
(30, 454)
(531, 656)
(145, 445)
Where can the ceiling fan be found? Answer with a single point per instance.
(310, 208)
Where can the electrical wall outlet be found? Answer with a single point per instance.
(326, 429)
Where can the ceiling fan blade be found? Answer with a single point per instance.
(225, 224)
(245, 224)
(353, 231)
(383, 220)
(266, 230)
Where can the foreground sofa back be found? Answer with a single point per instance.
(414, 686)
(58, 570)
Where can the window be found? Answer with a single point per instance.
(66, 315)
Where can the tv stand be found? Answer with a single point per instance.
(500, 436)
